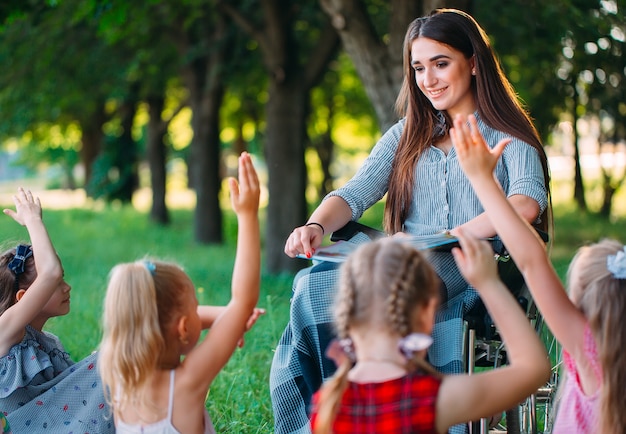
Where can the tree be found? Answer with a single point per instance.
(52, 61)
(294, 65)
(379, 63)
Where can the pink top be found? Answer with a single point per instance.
(577, 412)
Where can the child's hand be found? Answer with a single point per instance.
(474, 155)
(475, 260)
(27, 207)
(244, 195)
(256, 313)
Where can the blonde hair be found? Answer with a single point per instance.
(602, 299)
(142, 300)
(381, 284)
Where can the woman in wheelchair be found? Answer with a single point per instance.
(589, 323)
(449, 69)
(384, 314)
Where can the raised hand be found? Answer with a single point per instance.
(245, 192)
(475, 260)
(27, 207)
(473, 152)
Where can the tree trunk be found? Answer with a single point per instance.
(125, 157)
(579, 187)
(205, 161)
(156, 153)
(91, 142)
(325, 151)
(380, 73)
(285, 138)
(608, 192)
(380, 66)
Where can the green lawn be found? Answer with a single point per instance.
(90, 242)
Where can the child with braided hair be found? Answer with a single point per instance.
(384, 314)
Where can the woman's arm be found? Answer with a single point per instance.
(332, 214)
(481, 227)
(348, 203)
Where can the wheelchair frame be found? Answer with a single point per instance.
(484, 348)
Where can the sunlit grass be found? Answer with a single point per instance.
(91, 240)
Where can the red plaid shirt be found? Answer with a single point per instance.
(401, 405)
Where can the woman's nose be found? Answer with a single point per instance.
(429, 77)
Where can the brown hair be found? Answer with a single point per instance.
(602, 299)
(7, 278)
(142, 300)
(497, 102)
(381, 284)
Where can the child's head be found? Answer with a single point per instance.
(597, 286)
(150, 319)
(386, 284)
(17, 271)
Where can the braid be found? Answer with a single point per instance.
(344, 304)
(400, 293)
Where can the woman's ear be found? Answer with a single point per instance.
(19, 294)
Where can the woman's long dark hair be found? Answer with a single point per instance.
(497, 102)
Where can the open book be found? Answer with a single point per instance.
(339, 251)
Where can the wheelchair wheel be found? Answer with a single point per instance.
(536, 413)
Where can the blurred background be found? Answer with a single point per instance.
(148, 102)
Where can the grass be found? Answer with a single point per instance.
(90, 242)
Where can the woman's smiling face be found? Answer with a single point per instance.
(444, 75)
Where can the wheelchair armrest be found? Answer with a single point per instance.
(352, 228)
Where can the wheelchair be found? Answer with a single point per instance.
(484, 349)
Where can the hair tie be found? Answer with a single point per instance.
(411, 344)
(616, 264)
(150, 267)
(347, 346)
(22, 253)
(17, 264)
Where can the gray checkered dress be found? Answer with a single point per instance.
(443, 200)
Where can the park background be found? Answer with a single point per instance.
(126, 118)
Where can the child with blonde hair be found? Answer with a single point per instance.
(384, 314)
(152, 318)
(589, 323)
(41, 388)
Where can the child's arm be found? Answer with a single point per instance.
(49, 271)
(208, 315)
(469, 397)
(206, 360)
(565, 321)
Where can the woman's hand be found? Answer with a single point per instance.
(304, 240)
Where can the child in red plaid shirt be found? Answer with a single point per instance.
(384, 314)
